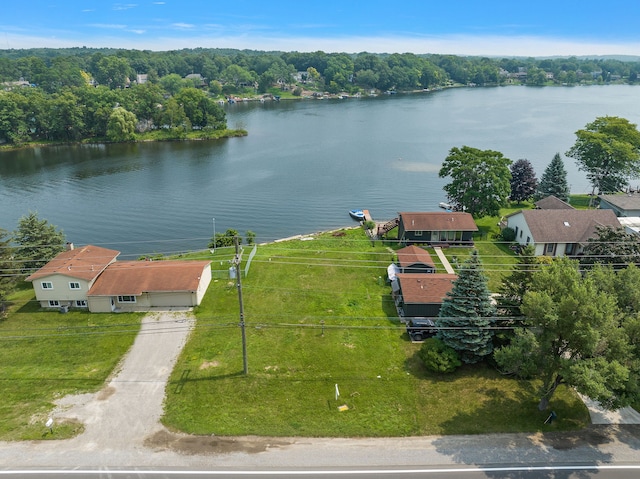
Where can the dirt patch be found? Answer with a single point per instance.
(106, 393)
(209, 364)
(195, 445)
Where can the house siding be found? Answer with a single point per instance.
(61, 290)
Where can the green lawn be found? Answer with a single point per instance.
(46, 355)
(318, 314)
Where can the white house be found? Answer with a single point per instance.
(559, 232)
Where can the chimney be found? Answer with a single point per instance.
(69, 246)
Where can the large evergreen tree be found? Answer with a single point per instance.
(523, 181)
(38, 242)
(467, 313)
(554, 180)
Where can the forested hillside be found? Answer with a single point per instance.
(107, 94)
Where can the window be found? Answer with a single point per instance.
(81, 303)
(54, 303)
(47, 285)
(74, 285)
(550, 247)
(418, 233)
(126, 299)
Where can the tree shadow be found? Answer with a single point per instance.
(544, 448)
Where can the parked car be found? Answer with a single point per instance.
(421, 328)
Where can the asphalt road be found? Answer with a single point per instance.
(123, 433)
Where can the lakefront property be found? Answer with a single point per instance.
(90, 277)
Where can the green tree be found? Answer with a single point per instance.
(37, 242)
(554, 180)
(8, 269)
(515, 285)
(221, 240)
(613, 246)
(121, 125)
(467, 313)
(574, 338)
(608, 150)
(13, 124)
(113, 71)
(173, 83)
(523, 181)
(201, 110)
(480, 180)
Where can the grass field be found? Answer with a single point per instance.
(46, 355)
(318, 314)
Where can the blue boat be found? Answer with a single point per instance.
(357, 214)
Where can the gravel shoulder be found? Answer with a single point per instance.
(123, 430)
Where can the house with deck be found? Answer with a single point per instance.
(438, 227)
(90, 277)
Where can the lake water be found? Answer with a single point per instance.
(303, 165)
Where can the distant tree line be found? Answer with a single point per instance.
(80, 93)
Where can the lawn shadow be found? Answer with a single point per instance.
(542, 448)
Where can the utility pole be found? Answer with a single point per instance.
(236, 262)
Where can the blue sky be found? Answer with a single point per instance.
(462, 27)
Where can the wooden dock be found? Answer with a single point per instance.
(367, 215)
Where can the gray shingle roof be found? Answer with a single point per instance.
(567, 226)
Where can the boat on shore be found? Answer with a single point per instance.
(445, 206)
(357, 215)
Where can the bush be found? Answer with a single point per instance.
(508, 234)
(369, 224)
(438, 357)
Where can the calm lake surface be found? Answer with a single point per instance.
(302, 167)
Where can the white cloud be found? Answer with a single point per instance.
(108, 26)
(124, 6)
(183, 26)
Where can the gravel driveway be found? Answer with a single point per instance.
(122, 430)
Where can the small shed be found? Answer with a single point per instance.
(413, 259)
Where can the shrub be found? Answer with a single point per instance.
(438, 357)
(369, 224)
(508, 234)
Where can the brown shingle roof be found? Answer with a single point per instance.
(85, 262)
(137, 277)
(553, 203)
(425, 288)
(567, 226)
(412, 255)
(438, 221)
